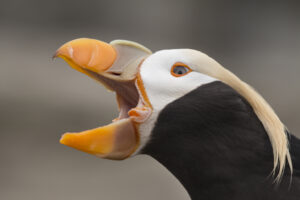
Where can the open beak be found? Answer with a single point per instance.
(116, 66)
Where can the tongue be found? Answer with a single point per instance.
(139, 114)
(117, 140)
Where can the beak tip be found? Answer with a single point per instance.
(65, 139)
(55, 55)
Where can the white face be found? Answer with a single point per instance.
(162, 87)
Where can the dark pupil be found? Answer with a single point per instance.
(180, 70)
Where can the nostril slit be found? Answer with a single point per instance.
(115, 73)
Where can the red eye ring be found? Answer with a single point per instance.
(180, 69)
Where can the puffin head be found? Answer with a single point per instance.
(145, 84)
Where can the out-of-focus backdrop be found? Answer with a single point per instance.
(40, 99)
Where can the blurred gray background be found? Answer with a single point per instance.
(41, 99)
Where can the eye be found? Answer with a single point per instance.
(180, 69)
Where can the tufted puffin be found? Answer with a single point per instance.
(210, 129)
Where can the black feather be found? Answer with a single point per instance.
(295, 153)
(213, 142)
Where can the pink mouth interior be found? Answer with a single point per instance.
(127, 94)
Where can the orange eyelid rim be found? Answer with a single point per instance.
(180, 64)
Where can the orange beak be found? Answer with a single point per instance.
(94, 58)
(117, 140)
(90, 54)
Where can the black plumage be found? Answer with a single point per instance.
(295, 153)
(216, 146)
